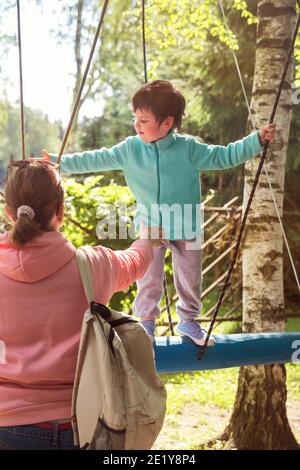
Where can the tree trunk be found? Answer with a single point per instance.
(259, 419)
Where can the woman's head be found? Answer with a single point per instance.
(34, 199)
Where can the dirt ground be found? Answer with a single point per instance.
(198, 423)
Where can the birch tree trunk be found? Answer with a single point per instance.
(259, 419)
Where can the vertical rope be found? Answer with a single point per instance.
(168, 305)
(244, 219)
(144, 42)
(22, 125)
(82, 83)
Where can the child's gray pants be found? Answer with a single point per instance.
(187, 279)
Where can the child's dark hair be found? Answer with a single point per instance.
(37, 185)
(162, 99)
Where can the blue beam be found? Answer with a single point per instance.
(179, 354)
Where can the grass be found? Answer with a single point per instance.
(293, 381)
(203, 387)
(216, 387)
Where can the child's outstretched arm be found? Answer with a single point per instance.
(95, 160)
(219, 157)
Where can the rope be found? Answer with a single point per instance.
(244, 219)
(21, 82)
(82, 83)
(254, 128)
(168, 305)
(165, 285)
(144, 42)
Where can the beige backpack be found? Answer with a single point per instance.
(118, 399)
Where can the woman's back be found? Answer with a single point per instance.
(41, 307)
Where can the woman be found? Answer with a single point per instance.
(41, 307)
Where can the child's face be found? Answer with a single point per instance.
(148, 128)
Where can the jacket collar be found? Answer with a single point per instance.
(164, 143)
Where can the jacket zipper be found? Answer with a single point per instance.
(158, 179)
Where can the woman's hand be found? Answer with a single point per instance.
(154, 235)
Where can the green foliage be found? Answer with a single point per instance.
(87, 204)
(297, 59)
(297, 52)
(3, 116)
(293, 162)
(242, 6)
(40, 132)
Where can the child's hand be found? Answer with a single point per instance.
(267, 133)
(45, 155)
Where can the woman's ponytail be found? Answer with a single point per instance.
(24, 230)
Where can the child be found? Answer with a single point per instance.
(162, 168)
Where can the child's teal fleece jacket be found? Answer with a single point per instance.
(164, 175)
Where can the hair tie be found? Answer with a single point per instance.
(25, 210)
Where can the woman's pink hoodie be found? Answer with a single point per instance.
(41, 308)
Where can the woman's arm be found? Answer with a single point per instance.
(116, 270)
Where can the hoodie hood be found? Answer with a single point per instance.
(36, 260)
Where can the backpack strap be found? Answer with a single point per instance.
(85, 274)
(87, 281)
